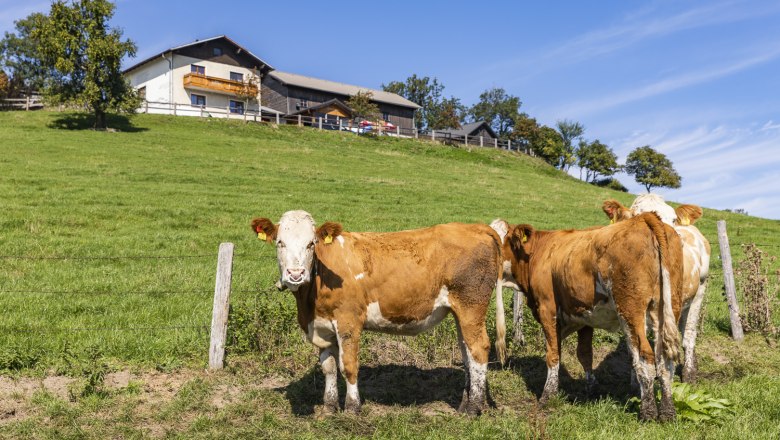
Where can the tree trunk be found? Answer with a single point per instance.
(100, 119)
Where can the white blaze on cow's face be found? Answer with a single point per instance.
(295, 239)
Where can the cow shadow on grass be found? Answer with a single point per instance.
(85, 121)
(613, 374)
(403, 385)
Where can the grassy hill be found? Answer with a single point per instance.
(108, 247)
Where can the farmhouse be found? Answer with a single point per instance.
(218, 77)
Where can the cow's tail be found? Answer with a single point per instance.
(500, 322)
(667, 327)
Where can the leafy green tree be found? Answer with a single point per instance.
(436, 112)
(569, 131)
(363, 107)
(20, 56)
(548, 145)
(446, 114)
(5, 84)
(85, 53)
(499, 109)
(652, 169)
(597, 159)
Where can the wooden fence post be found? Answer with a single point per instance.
(398, 130)
(433, 135)
(509, 145)
(517, 317)
(481, 141)
(219, 317)
(300, 122)
(495, 142)
(319, 122)
(728, 280)
(466, 139)
(277, 119)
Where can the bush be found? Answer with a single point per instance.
(611, 183)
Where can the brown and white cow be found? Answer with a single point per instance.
(398, 283)
(696, 263)
(614, 278)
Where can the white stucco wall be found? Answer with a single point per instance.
(164, 87)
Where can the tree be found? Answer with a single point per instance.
(569, 130)
(248, 90)
(85, 53)
(5, 84)
(19, 55)
(446, 114)
(652, 169)
(363, 107)
(548, 145)
(597, 159)
(499, 109)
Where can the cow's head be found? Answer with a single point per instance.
(654, 203)
(615, 211)
(295, 237)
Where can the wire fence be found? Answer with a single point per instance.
(324, 121)
(69, 294)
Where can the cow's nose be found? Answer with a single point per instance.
(295, 275)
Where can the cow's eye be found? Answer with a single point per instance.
(280, 244)
(310, 245)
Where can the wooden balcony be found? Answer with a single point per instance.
(214, 84)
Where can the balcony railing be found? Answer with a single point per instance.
(219, 85)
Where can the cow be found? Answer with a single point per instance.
(696, 263)
(399, 283)
(614, 277)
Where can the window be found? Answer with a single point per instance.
(237, 107)
(386, 116)
(200, 70)
(142, 93)
(198, 100)
(217, 51)
(303, 103)
(235, 76)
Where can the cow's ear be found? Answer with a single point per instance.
(328, 231)
(501, 227)
(522, 233)
(265, 229)
(613, 209)
(688, 214)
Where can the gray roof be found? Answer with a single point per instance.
(218, 37)
(467, 129)
(292, 79)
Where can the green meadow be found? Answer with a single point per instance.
(108, 248)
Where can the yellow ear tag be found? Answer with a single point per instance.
(685, 221)
(329, 239)
(261, 235)
(524, 238)
(614, 218)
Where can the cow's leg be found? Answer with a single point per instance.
(690, 321)
(665, 372)
(330, 369)
(585, 356)
(464, 402)
(643, 360)
(349, 342)
(548, 319)
(517, 317)
(477, 346)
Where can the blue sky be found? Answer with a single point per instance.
(696, 80)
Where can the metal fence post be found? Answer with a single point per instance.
(728, 280)
(219, 317)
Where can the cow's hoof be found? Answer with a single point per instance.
(648, 412)
(352, 406)
(688, 375)
(330, 408)
(591, 387)
(666, 413)
(464, 403)
(470, 409)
